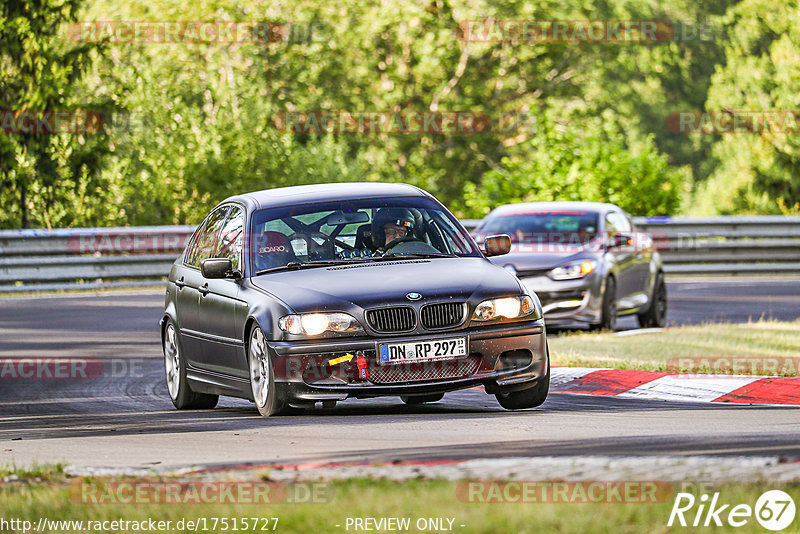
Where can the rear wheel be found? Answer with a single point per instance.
(422, 399)
(608, 314)
(262, 378)
(656, 314)
(175, 366)
(528, 398)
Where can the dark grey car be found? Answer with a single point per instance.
(585, 260)
(293, 296)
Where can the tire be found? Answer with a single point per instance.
(422, 399)
(180, 393)
(528, 398)
(656, 314)
(608, 314)
(262, 378)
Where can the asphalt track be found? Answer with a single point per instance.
(124, 418)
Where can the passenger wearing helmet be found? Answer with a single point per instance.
(392, 226)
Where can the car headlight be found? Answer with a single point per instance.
(572, 270)
(506, 307)
(314, 324)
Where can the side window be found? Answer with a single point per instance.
(191, 246)
(630, 222)
(612, 228)
(229, 244)
(616, 223)
(453, 240)
(623, 223)
(208, 237)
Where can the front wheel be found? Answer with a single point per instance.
(180, 393)
(656, 314)
(608, 314)
(262, 378)
(528, 398)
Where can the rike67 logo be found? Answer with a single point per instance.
(774, 510)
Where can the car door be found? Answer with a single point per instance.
(186, 299)
(623, 257)
(193, 337)
(643, 255)
(220, 310)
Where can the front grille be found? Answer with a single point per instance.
(400, 319)
(442, 315)
(426, 370)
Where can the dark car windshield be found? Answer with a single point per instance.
(544, 226)
(322, 233)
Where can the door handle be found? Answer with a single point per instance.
(203, 289)
(180, 283)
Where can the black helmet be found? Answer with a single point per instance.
(397, 216)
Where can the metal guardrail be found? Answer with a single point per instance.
(90, 258)
(730, 245)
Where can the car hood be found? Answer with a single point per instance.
(534, 260)
(376, 284)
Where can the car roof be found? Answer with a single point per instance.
(303, 194)
(599, 207)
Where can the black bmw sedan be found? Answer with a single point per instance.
(307, 294)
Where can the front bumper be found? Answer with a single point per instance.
(566, 302)
(500, 358)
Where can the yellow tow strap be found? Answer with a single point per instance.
(336, 361)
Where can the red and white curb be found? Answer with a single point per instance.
(629, 383)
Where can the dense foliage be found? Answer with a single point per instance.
(188, 123)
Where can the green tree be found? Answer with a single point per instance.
(47, 179)
(559, 163)
(199, 119)
(209, 107)
(758, 172)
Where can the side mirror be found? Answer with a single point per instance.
(497, 245)
(217, 268)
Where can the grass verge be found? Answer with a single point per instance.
(764, 347)
(418, 500)
(35, 472)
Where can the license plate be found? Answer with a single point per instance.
(414, 351)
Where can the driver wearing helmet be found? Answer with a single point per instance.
(392, 226)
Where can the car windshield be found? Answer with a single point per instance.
(325, 233)
(544, 226)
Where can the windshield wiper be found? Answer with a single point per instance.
(295, 265)
(412, 255)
